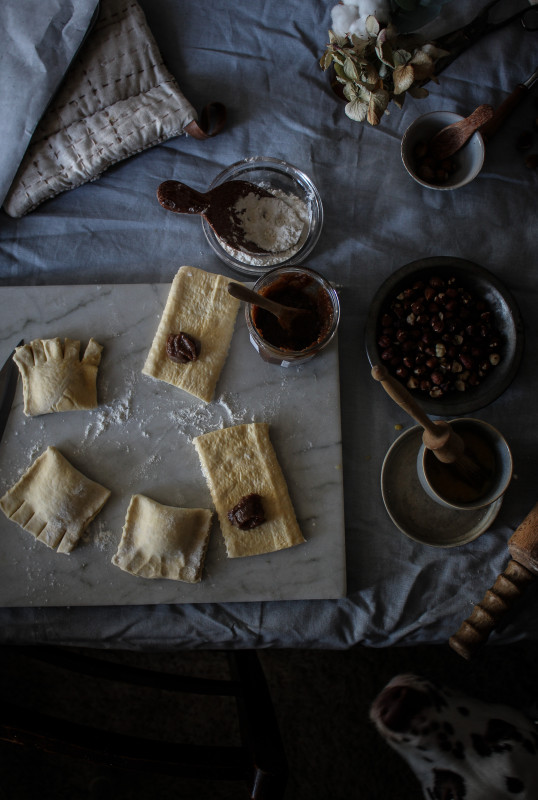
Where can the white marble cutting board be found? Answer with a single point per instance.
(139, 440)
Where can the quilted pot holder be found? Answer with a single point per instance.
(118, 99)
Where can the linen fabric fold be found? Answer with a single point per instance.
(118, 98)
(38, 41)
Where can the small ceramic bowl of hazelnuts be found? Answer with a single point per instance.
(450, 173)
(447, 329)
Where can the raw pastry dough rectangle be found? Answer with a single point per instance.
(198, 304)
(238, 461)
(163, 541)
(54, 501)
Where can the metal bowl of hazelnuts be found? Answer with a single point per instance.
(451, 173)
(449, 330)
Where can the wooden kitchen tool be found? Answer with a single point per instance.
(438, 436)
(287, 317)
(505, 592)
(216, 206)
(452, 138)
(507, 106)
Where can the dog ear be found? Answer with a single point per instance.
(447, 785)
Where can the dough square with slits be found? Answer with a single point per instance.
(54, 501)
(239, 461)
(55, 377)
(198, 304)
(163, 541)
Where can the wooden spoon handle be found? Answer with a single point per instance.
(403, 398)
(438, 436)
(486, 615)
(241, 292)
(503, 111)
(178, 197)
(478, 118)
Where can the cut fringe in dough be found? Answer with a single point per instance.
(163, 541)
(54, 501)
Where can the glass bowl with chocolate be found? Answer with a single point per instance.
(295, 287)
(449, 330)
(289, 185)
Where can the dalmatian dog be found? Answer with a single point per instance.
(459, 747)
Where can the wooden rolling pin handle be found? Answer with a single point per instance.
(485, 616)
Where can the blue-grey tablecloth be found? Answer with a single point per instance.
(261, 59)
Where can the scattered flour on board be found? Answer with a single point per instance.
(194, 420)
(109, 414)
(100, 536)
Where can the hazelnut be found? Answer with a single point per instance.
(440, 338)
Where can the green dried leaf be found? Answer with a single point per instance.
(403, 77)
(359, 45)
(372, 25)
(338, 68)
(379, 68)
(341, 41)
(350, 92)
(401, 57)
(351, 70)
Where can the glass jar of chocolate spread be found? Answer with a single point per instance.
(297, 287)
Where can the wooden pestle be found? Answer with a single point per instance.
(505, 592)
(438, 435)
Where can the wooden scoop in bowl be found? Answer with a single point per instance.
(287, 317)
(216, 206)
(452, 138)
(439, 436)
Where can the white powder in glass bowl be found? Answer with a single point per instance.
(300, 214)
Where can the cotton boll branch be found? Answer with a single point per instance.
(379, 67)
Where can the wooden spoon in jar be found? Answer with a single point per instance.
(452, 138)
(216, 206)
(287, 317)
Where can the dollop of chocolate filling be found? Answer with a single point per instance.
(181, 348)
(248, 513)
